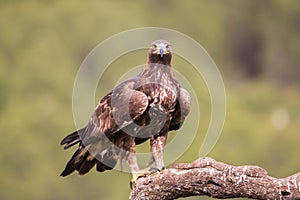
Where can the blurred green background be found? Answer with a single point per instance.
(255, 44)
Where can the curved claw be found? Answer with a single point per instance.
(153, 170)
(131, 184)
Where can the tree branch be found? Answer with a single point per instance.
(208, 177)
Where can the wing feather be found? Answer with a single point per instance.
(182, 109)
(115, 111)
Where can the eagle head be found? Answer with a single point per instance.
(160, 52)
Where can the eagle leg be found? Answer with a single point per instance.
(157, 144)
(133, 164)
(132, 160)
(135, 171)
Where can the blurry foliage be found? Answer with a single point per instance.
(42, 43)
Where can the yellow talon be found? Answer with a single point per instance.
(141, 173)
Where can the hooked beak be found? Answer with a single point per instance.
(162, 51)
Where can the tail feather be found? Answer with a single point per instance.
(82, 161)
(74, 163)
(100, 167)
(72, 138)
(86, 166)
(109, 164)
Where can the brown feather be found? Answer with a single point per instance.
(146, 106)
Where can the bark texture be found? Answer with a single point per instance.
(208, 177)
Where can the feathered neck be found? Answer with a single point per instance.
(157, 69)
(156, 59)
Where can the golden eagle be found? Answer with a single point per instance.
(147, 106)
